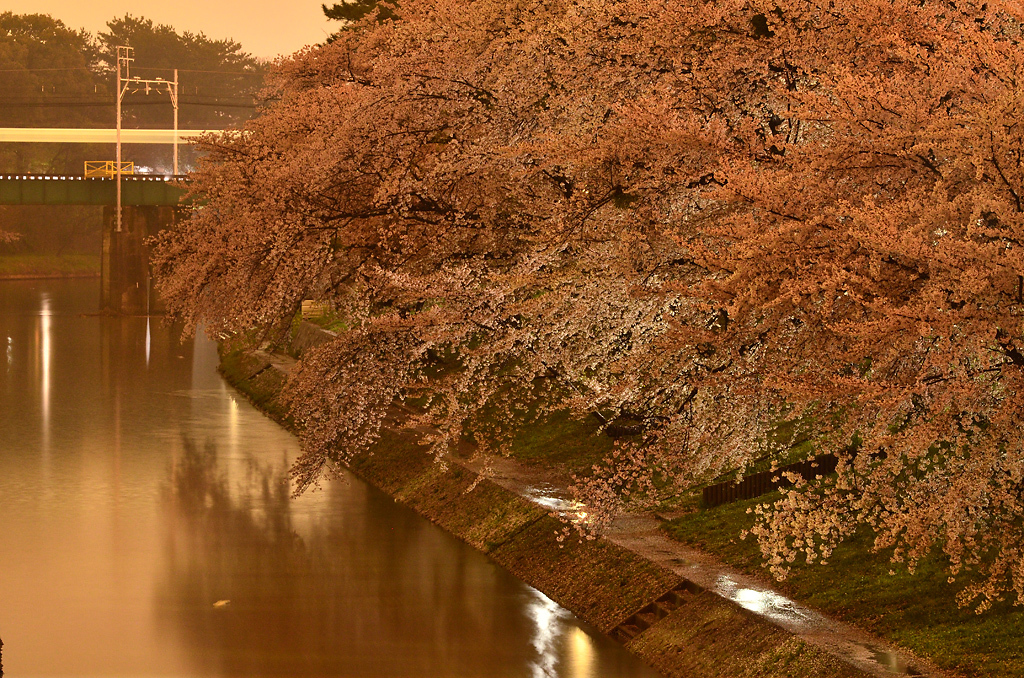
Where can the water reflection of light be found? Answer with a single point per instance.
(45, 350)
(884, 658)
(233, 426)
(148, 341)
(553, 503)
(548, 497)
(10, 352)
(547, 616)
(763, 602)
(582, 654)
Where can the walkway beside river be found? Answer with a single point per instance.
(641, 535)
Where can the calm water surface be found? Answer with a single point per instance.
(146, 529)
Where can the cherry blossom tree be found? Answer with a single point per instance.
(878, 271)
(696, 217)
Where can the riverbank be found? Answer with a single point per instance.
(29, 266)
(911, 610)
(678, 627)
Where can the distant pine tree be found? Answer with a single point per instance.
(350, 12)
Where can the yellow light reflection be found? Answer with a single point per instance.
(546, 616)
(233, 427)
(581, 649)
(45, 354)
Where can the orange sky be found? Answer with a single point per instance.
(265, 28)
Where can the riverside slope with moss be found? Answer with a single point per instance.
(700, 634)
(25, 266)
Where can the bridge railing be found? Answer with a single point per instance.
(137, 189)
(107, 168)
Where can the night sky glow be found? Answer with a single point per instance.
(265, 28)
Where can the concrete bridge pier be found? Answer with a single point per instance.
(126, 284)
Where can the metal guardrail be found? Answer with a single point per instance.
(107, 168)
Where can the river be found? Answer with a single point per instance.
(147, 529)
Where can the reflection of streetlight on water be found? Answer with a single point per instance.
(547, 615)
(557, 640)
(45, 350)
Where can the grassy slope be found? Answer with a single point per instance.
(47, 265)
(601, 582)
(916, 611)
(564, 442)
(724, 641)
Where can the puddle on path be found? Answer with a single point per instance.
(550, 497)
(888, 660)
(766, 603)
(791, 615)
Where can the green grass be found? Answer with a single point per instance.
(47, 265)
(331, 321)
(560, 440)
(917, 611)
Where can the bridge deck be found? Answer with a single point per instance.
(45, 189)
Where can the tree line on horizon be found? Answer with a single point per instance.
(56, 76)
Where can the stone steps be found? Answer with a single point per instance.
(650, 614)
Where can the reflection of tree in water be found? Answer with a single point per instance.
(368, 589)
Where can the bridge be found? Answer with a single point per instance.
(149, 203)
(76, 135)
(45, 189)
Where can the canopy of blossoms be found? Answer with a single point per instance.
(704, 217)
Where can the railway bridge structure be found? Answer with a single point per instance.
(148, 204)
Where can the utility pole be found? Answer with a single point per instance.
(174, 100)
(124, 57)
(127, 84)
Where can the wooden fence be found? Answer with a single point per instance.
(757, 484)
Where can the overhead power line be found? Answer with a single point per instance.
(106, 73)
(110, 104)
(34, 70)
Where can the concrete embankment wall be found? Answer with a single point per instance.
(686, 632)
